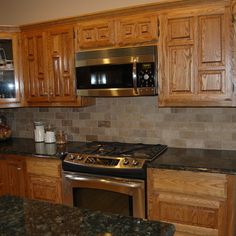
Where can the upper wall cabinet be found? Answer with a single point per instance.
(114, 32)
(195, 58)
(95, 34)
(35, 66)
(137, 29)
(9, 68)
(49, 66)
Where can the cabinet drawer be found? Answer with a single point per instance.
(188, 182)
(44, 167)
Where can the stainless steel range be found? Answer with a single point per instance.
(109, 174)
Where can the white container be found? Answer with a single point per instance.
(49, 136)
(38, 131)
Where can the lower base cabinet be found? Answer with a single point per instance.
(12, 176)
(197, 203)
(44, 179)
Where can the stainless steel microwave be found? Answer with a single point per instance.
(117, 72)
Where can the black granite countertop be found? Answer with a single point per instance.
(20, 216)
(216, 161)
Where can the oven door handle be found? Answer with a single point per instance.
(106, 180)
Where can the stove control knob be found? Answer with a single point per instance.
(135, 162)
(71, 157)
(125, 161)
(79, 157)
(90, 160)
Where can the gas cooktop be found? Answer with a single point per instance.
(112, 155)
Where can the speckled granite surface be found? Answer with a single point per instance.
(216, 161)
(20, 216)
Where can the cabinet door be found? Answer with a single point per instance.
(9, 68)
(35, 66)
(137, 30)
(195, 202)
(3, 173)
(16, 177)
(44, 188)
(194, 59)
(95, 34)
(61, 64)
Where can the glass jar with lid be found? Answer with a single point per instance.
(38, 131)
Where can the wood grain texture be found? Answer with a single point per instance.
(45, 188)
(35, 66)
(46, 167)
(200, 76)
(197, 203)
(137, 29)
(95, 34)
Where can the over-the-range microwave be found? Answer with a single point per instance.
(117, 72)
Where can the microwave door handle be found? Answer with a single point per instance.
(135, 76)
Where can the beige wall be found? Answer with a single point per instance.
(15, 12)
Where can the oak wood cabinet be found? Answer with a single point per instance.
(197, 203)
(137, 29)
(49, 65)
(12, 175)
(3, 184)
(10, 83)
(16, 182)
(117, 31)
(35, 66)
(195, 57)
(95, 34)
(44, 179)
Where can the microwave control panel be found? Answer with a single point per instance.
(146, 74)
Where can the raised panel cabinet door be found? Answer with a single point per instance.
(211, 40)
(137, 30)
(95, 34)
(35, 66)
(45, 188)
(16, 178)
(61, 64)
(181, 76)
(9, 68)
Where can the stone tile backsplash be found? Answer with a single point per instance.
(135, 119)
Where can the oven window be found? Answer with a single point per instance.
(103, 200)
(104, 76)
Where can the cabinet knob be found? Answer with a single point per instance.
(18, 168)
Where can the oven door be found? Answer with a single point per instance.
(102, 192)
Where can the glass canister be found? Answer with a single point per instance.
(61, 137)
(38, 131)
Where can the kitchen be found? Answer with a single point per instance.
(110, 120)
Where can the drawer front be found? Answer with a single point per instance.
(44, 167)
(188, 182)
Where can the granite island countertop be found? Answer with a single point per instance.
(19, 216)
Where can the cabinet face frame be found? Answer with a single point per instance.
(14, 36)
